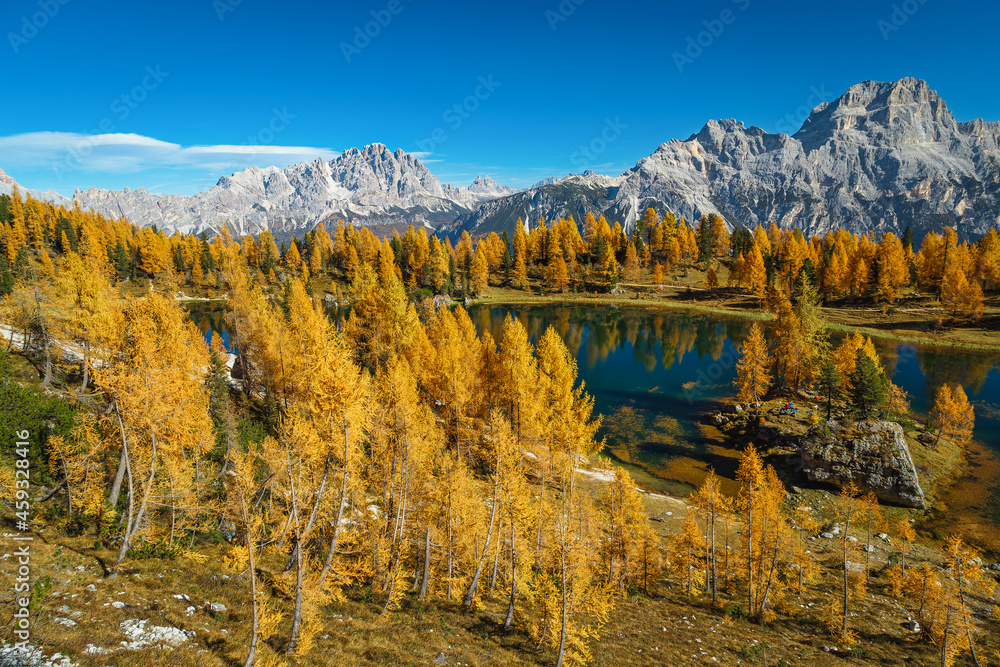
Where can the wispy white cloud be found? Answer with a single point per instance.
(129, 153)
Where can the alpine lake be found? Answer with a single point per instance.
(655, 373)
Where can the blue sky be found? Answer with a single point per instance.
(169, 96)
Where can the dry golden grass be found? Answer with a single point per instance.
(667, 628)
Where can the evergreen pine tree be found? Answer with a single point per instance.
(508, 260)
(6, 277)
(908, 238)
(868, 386)
(830, 384)
(704, 239)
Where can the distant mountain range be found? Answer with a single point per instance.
(882, 157)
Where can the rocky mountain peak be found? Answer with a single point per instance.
(482, 184)
(907, 110)
(881, 157)
(714, 130)
(486, 186)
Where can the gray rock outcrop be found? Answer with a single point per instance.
(876, 459)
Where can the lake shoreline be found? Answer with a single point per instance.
(727, 312)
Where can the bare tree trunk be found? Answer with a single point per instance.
(565, 604)
(451, 548)
(54, 490)
(750, 606)
(253, 585)
(715, 579)
(122, 464)
(133, 526)
(86, 367)
(427, 566)
(284, 531)
(708, 557)
(470, 594)
(727, 553)
(690, 568)
(868, 552)
(47, 380)
(312, 514)
(847, 587)
(340, 511)
(496, 560)
(69, 493)
(509, 621)
(173, 510)
(802, 554)
(965, 611)
(947, 635)
(293, 637)
(131, 497)
(615, 542)
(774, 566)
(645, 567)
(541, 508)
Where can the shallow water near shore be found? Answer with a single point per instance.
(653, 374)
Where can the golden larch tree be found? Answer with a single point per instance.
(753, 371)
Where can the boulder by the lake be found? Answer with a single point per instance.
(875, 457)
